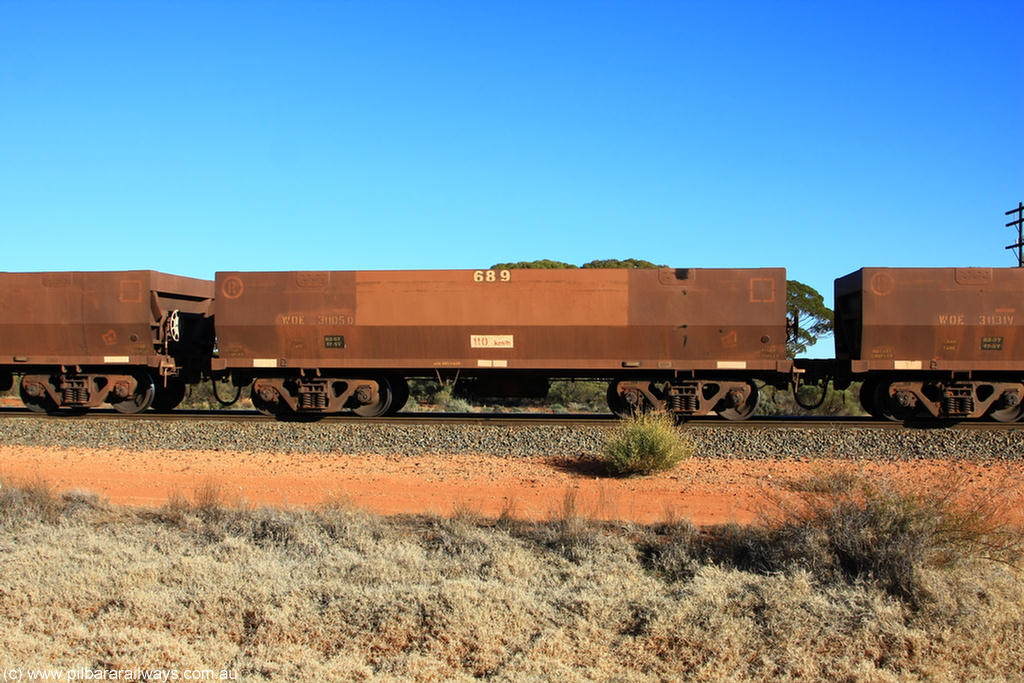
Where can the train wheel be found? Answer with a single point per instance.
(268, 408)
(881, 402)
(1011, 414)
(378, 407)
(624, 406)
(1008, 414)
(142, 398)
(399, 394)
(37, 404)
(744, 409)
(867, 398)
(616, 403)
(886, 407)
(169, 396)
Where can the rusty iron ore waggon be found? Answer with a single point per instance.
(690, 341)
(932, 342)
(941, 343)
(133, 339)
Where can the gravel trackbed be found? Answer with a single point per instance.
(533, 472)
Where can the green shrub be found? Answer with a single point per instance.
(577, 395)
(427, 394)
(200, 396)
(644, 444)
(772, 401)
(446, 400)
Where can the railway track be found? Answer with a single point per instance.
(515, 419)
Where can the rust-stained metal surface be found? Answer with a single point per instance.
(574, 320)
(912, 319)
(94, 318)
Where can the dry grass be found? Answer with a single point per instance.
(340, 595)
(847, 525)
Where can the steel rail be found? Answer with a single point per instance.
(518, 420)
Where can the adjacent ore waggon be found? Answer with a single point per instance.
(132, 339)
(933, 342)
(690, 341)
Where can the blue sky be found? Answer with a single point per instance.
(192, 136)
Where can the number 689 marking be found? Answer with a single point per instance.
(491, 276)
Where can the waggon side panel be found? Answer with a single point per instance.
(955, 319)
(90, 318)
(523, 319)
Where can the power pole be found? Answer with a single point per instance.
(1019, 246)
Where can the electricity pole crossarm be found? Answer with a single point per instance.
(1019, 223)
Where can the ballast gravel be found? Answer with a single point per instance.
(726, 441)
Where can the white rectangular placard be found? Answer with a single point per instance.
(490, 341)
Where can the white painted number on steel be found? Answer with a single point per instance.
(491, 276)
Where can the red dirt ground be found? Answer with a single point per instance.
(706, 491)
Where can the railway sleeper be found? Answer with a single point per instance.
(732, 399)
(127, 393)
(282, 395)
(900, 400)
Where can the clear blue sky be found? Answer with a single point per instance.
(195, 136)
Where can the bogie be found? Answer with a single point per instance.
(731, 399)
(947, 399)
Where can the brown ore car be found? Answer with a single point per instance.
(690, 340)
(934, 342)
(79, 339)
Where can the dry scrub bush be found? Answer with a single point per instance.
(32, 500)
(644, 444)
(845, 525)
(35, 500)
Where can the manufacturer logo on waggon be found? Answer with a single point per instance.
(232, 287)
(882, 283)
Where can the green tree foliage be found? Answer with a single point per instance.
(600, 263)
(619, 263)
(809, 318)
(772, 401)
(543, 263)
